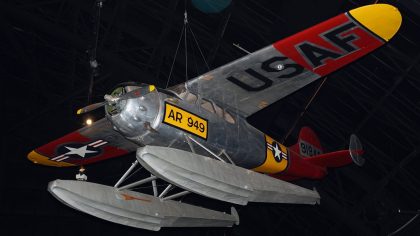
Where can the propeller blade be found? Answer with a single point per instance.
(90, 107)
(111, 99)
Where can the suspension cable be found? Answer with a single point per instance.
(404, 225)
(176, 53)
(304, 110)
(198, 46)
(185, 44)
(184, 32)
(93, 63)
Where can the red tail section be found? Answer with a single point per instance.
(308, 144)
(308, 160)
(309, 148)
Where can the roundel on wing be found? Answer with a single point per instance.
(79, 150)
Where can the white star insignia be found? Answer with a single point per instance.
(81, 151)
(277, 152)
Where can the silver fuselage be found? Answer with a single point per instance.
(141, 120)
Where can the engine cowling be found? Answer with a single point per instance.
(134, 117)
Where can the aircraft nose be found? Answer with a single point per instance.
(382, 19)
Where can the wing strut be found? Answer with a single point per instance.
(217, 156)
(126, 173)
(151, 179)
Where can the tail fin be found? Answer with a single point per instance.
(308, 144)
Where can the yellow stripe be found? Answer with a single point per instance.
(43, 160)
(382, 19)
(270, 165)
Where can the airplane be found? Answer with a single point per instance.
(195, 135)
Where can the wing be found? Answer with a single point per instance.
(87, 145)
(263, 77)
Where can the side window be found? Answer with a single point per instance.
(189, 97)
(207, 105)
(212, 107)
(228, 117)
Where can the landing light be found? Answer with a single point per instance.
(89, 121)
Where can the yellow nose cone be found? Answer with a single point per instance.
(382, 19)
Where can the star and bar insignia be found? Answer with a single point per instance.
(79, 150)
(277, 152)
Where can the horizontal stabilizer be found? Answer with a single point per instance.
(331, 159)
(136, 209)
(220, 180)
(340, 158)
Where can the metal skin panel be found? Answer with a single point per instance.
(260, 81)
(136, 209)
(132, 112)
(242, 142)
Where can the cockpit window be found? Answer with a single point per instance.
(169, 92)
(189, 97)
(228, 117)
(212, 107)
(207, 105)
(118, 91)
(131, 88)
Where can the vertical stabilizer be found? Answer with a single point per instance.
(308, 144)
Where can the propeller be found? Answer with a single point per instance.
(90, 107)
(109, 99)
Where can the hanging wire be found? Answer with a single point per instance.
(185, 44)
(184, 32)
(198, 46)
(93, 63)
(176, 53)
(404, 225)
(195, 60)
(304, 110)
